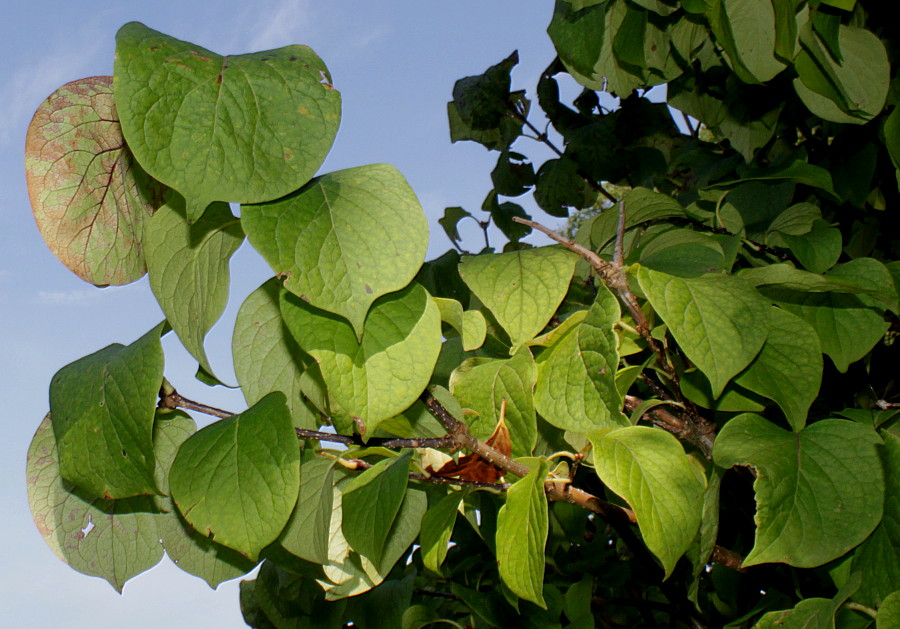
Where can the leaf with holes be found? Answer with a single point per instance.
(188, 268)
(241, 128)
(343, 240)
(819, 491)
(103, 407)
(237, 479)
(649, 469)
(111, 539)
(89, 196)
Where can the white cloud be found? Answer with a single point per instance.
(279, 25)
(68, 297)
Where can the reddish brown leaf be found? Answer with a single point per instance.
(472, 467)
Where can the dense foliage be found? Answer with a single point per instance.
(715, 341)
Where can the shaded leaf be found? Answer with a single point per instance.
(437, 527)
(241, 128)
(306, 534)
(188, 266)
(103, 407)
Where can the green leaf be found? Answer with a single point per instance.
(513, 175)
(103, 407)
(383, 374)
(437, 528)
(578, 34)
(242, 128)
(522, 289)
(863, 276)
(559, 186)
(481, 384)
(89, 196)
(494, 139)
(720, 322)
(819, 249)
(853, 91)
(889, 612)
(684, 252)
(483, 101)
(266, 356)
(522, 526)
(450, 221)
(188, 268)
(306, 534)
(470, 324)
(111, 539)
(576, 385)
(848, 325)
(701, 550)
(649, 469)
(797, 171)
(788, 368)
(819, 491)
(371, 502)
(194, 553)
(641, 205)
(746, 30)
(344, 239)
(812, 613)
(878, 558)
(237, 479)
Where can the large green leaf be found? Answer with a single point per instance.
(371, 502)
(344, 239)
(111, 539)
(383, 374)
(266, 356)
(237, 479)
(889, 612)
(191, 551)
(188, 268)
(819, 491)
(522, 526)
(578, 34)
(242, 128)
(848, 325)
(576, 385)
(649, 469)
(720, 322)
(878, 558)
(89, 197)
(853, 91)
(521, 288)
(746, 30)
(481, 384)
(306, 535)
(788, 368)
(103, 407)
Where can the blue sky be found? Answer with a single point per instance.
(395, 63)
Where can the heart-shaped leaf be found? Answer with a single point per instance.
(89, 197)
(344, 240)
(237, 479)
(103, 407)
(111, 539)
(242, 128)
(188, 268)
(381, 375)
(521, 288)
(649, 469)
(819, 491)
(720, 322)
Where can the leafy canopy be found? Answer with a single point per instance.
(716, 338)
